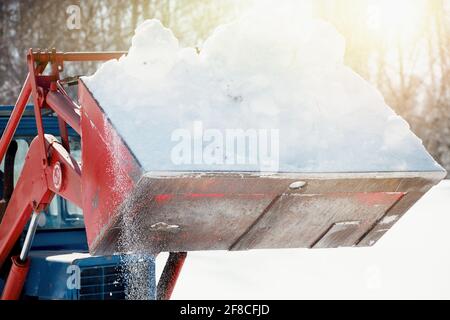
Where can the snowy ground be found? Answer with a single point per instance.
(411, 262)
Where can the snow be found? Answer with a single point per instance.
(412, 261)
(68, 258)
(275, 73)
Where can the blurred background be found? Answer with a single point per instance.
(401, 46)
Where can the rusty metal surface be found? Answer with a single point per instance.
(191, 212)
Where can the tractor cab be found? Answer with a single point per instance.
(61, 267)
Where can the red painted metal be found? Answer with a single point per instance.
(49, 168)
(38, 99)
(65, 108)
(35, 190)
(170, 275)
(14, 119)
(64, 133)
(48, 56)
(16, 279)
(18, 111)
(30, 191)
(60, 159)
(105, 181)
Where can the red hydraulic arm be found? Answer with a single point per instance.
(170, 274)
(49, 168)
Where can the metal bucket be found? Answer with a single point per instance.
(178, 211)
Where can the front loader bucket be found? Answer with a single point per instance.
(179, 211)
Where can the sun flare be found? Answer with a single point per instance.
(400, 19)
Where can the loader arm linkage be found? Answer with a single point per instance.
(49, 168)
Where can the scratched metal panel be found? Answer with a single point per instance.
(191, 212)
(344, 234)
(198, 223)
(304, 221)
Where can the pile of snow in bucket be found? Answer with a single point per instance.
(277, 79)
